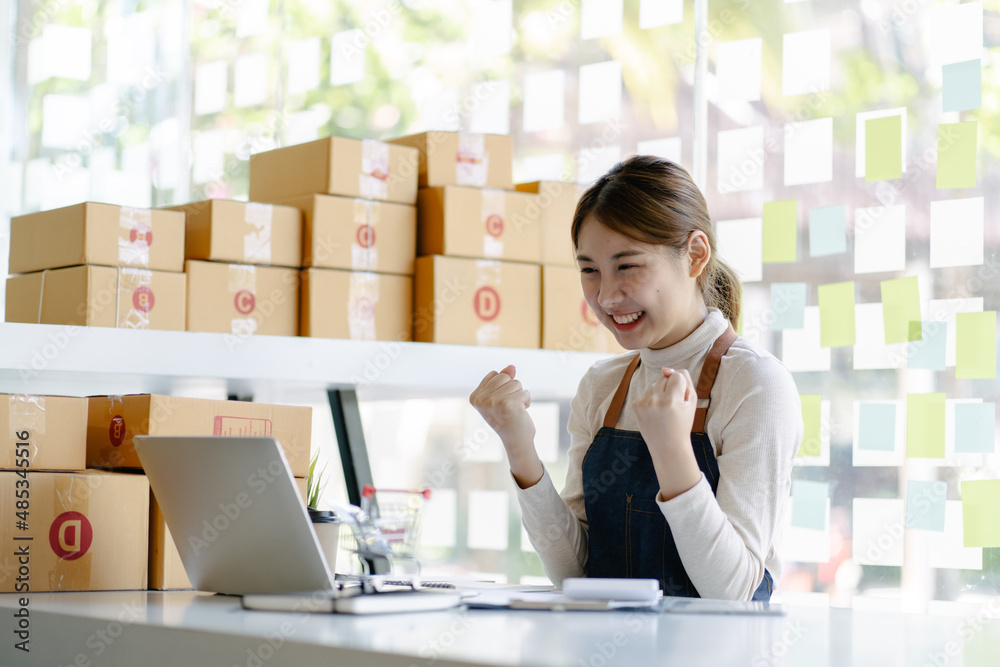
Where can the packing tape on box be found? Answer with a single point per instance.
(132, 312)
(472, 162)
(41, 296)
(70, 534)
(494, 218)
(243, 287)
(361, 300)
(257, 241)
(364, 255)
(486, 302)
(27, 413)
(373, 182)
(135, 236)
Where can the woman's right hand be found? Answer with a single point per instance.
(503, 403)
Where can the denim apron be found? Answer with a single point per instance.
(629, 536)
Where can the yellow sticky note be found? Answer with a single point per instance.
(883, 148)
(976, 345)
(811, 404)
(980, 503)
(925, 426)
(901, 307)
(836, 314)
(780, 231)
(956, 166)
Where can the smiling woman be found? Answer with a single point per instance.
(669, 479)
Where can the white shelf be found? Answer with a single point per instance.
(39, 358)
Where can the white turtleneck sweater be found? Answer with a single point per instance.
(755, 425)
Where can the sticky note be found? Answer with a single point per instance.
(900, 307)
(600, 18)
(740, 244)
(303, 65)
(437, 526)
(945, 550)
(738, 70)
(956, 165)
(925, 505)
(975, 428)
(877, 531)
(488, 518)
(741, 158)
(827, 231)
(870, 349)
(980, 500)
(492, 116)
(669, 148)
(809, 151)
(65, 119)
(880, 239)
(861, 136)
(954, 33)
(800, 348)
(809, 500)
(957, 232)
(780, 231)
(976, 345)
(544, 100)
(928, 346)
(655, 13)
(250, 80)
(490, 29)
(600, 92)
(962, 87)
(946, 310)
(805, 62)
(883, 149)
(811, 419)
(836, 314)
(925, 426)
(347, 58)
(788, 306)
(877, 426)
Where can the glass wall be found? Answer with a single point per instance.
(850, 154)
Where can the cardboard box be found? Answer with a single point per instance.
(92, 233)
(357, 234)
(477, 302)
(88, 530)
(556, 204)
(568, 323)
(356, 305)
(99, 296)
(114, 420)
(242, 299)
(463, 158)
(166, 570)
(48, 432)
(243, 232)
(336, 166)
(475, 222)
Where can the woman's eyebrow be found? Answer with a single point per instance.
(616, 256)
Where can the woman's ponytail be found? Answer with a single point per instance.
(723, 290)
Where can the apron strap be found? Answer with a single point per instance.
(704, 389)
(707, 378)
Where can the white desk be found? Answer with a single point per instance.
(185, 628)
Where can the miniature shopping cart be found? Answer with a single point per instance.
(384, 533)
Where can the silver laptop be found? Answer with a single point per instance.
(235, 514)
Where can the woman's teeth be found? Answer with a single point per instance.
(625, 319)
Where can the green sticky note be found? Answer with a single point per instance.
(836, 314)
(962, 86)
(925, 426)
(976, 345)
(925, 505)
(980, 505)
(900, 306)
(811, 414)
(883, 148)
(780, 231)
(956, 167)
(809, 504)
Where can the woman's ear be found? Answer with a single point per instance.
(699, 252)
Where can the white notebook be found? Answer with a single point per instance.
(387, 602)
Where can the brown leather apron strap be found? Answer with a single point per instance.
(707, 377)
(615, 409)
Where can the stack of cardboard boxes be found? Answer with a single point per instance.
(98, 265)
(359, 239)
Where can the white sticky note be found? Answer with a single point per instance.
(302, 71)
(880, 239)
(600, 18)
(492, 113)
(741, 244)
(438, 110)
(944, 310)
(546, 419)
(800, 348)
(957, 232)
(209, 156)
(250, 80)
(877, 536)
(823, 460)
(479, 441)
(38, 65)
(870, 350)
(210, 83)
(802, 545)
(65, 120)
(438, 523)
(864, 457)
(600, 92)
(805, 59)
(303, 126)
(809, 151)
(492, 24)
(738, 70)
(67, 51)
(954, 33)
(489, 514)
(348, 53)
(131, 43)
(741, 159)
(592, 163)
(542, 167)
(251, 17)
(947, 549)
(654, 13)
(544, 101)
(859, 133)
(669, 148)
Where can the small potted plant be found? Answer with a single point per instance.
(325, 522)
